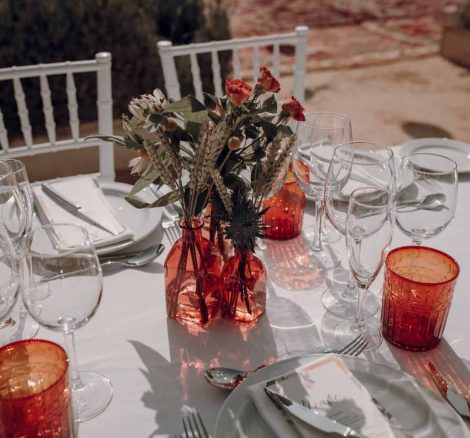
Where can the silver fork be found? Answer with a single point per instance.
(193, 427)
(172, 230)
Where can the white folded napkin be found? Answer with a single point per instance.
(83, 191)
(331, 389)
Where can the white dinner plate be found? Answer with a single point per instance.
(142, 222)
(455, 150)
(417, 409)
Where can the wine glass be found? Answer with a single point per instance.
(354, 164)
(369, 228)
(64, 291)
(310, 164)
(427, 198)
(9, 277)
(20, 325)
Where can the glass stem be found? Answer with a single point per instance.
(359, 319)
(417, 241)
(73, 367)
(317, 243)
(349, 291)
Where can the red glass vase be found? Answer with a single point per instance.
(192, 270)
(286, 210)
(243, 288)
(213, 230)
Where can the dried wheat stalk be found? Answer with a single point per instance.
(221, 189)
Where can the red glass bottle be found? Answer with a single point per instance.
(192, 270)
(243, 287)
(286, 211)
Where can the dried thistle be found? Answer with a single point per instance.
(244, 222)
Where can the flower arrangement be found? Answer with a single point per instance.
(238, 143)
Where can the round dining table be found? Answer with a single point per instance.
(156, 365)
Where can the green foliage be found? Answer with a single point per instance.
(42, 31)
(464, 17)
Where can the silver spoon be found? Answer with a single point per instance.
(133, 260)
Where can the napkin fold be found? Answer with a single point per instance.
(83, 191)
(331, 389)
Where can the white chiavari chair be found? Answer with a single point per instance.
(298, 39)
(102, 66)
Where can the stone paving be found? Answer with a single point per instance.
(349, 33)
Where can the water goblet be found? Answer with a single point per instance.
(354, 164)
(311, 161)
(369, 228)
(427, 198)
(64, 291)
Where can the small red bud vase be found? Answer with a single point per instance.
(285, 213)
(192, 270)
(243, 288)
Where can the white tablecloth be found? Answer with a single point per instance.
(156, 365)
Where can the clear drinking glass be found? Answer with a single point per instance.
(20, 325)
(369, 227)
(427, 198)
(323, 132)
(354, 165)
(64, 291)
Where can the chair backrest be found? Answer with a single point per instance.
(102, 66)
(168, 53)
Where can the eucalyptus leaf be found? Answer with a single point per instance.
(196, 117)
(166, 199)
(119, 139)
(143, 182)
(269, 130)
(285, 131)
(270, 104)
(157, 118)
(187, 104)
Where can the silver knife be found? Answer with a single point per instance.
(449, 392)
(311, 417)
(72, 207)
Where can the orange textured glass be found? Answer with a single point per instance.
(286, 211)
(35, 399)
(192, 270)
(418, 289)
(243, 288)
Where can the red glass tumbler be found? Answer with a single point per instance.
(286, 211)
(35, 399)
(418, 289)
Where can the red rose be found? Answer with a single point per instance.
(237, 91)
(292, 106)
(268, 81)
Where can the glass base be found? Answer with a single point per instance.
(343, 306)
(347, 331)
(91, 396)
(325, 260)
(22, 326)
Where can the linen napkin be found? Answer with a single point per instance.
(331, 389)
(84, 191)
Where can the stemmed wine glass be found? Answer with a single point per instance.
(323, 132)
(427, 198)
(12, 226)
(20, 325)
(65, 286)
(354, 165)
(369, 227)
(9, 277)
